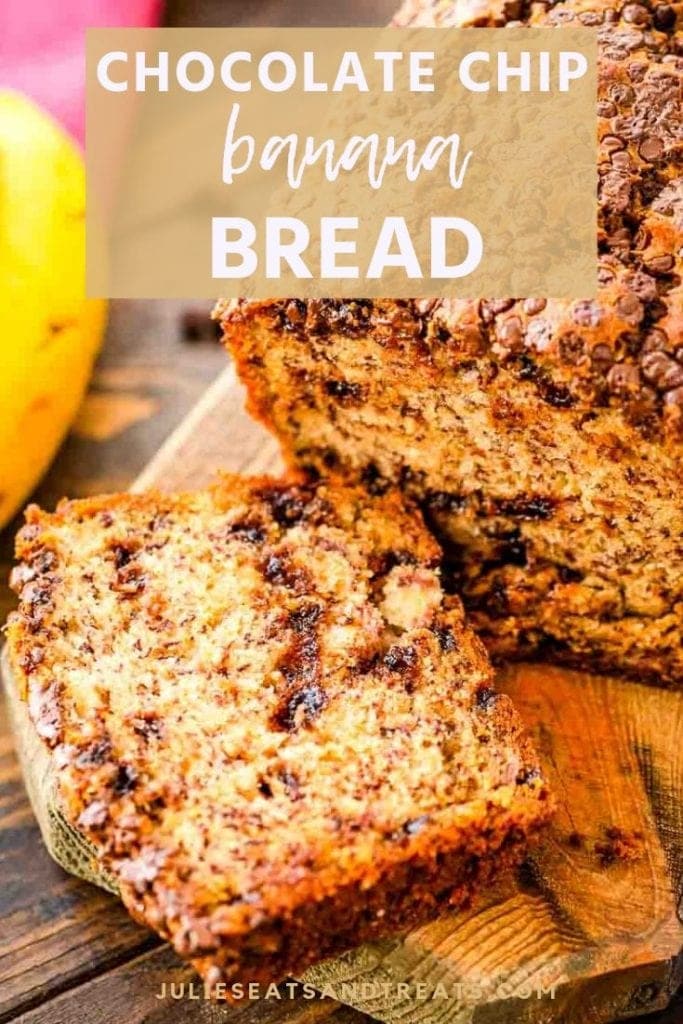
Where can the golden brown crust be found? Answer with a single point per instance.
(624, 348)
(265, 713)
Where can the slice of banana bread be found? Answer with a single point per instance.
(543, 438)
(275, 728)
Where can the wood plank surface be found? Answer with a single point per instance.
(155, 988)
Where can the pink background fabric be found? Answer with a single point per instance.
(42, 48)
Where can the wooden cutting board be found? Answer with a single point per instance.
(591, 929)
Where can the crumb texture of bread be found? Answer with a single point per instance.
(543, 438)
(265, 713)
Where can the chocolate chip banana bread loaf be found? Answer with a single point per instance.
(267, 717)
(543, 438)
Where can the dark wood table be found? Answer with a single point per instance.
(69, 954)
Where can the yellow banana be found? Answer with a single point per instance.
(49, 331)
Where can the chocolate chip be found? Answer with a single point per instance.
(651, 148)
(493, 307)
(301, 707)
(390, 559)
(31, 659)
(291, 784)
(527, 775)
(279, 570)
(486, 698)
(539, 333)
(571, 347)
(661, 264)
(654, 365)
(587, 313)
(274, 570)
(629, 343)
(602, 357)
(125, 780)
(664, 17)
(373, 480)
(555, 393)
(130, 580)
(247, 532)
(612, 144)
(94, 755)
(287, 507)
(330, 457)
(446, 638)
(621, 160)
(513, 552)
(496, 602)
(674, 397)
(20, 576)
(630, 308)
(620, 242)
(662, 371)
(642, 238)
(637, 71)
(149, 726)
(400, 659)
(304, 618)
(122, 555)
(523, 507)
(615, 190)
(446, 501)
(636, 14)
(415, 825)
(606, 109)
(37, 593)
(472, 340)
(510, 332)
(295, 313)
(656, 340)
(623, 95)
(343, 390)
(641, 284)
(623, 378)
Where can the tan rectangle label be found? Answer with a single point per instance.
(344, 162)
